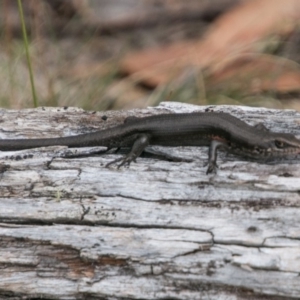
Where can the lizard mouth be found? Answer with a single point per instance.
(267, 153)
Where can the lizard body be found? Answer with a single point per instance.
(216, 130)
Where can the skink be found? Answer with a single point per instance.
(216, 130)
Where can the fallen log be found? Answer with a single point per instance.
(71, 228)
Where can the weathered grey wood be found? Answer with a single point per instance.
(72, 229)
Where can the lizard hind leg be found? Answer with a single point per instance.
(138, 147)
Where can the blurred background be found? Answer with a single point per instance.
(115, 54)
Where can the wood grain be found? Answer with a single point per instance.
(72, 229)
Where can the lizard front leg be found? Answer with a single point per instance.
(212, 155)
(138, 147)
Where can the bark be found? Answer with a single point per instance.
(73, 229)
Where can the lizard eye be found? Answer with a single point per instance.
(279, 144)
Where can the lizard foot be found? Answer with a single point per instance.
(212, 168)
(124, 161)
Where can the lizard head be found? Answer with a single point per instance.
(271, 146)
(283, 144)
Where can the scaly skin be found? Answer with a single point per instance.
(216, 130)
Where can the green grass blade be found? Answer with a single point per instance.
(35, 101)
